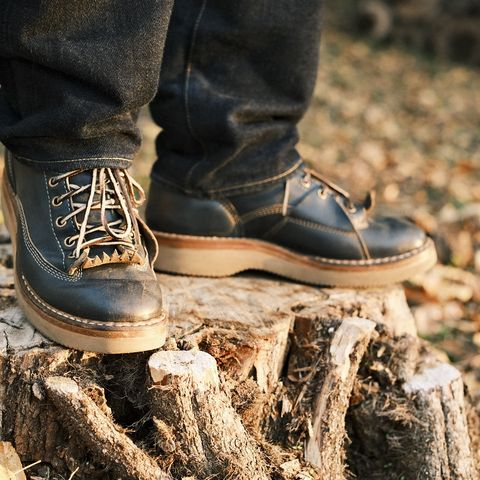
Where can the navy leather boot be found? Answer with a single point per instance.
(83, 258)
(302, 227)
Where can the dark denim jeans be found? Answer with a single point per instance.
(237, 75)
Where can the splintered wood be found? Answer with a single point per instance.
(260, 379)
(433, 391)
(185, 392)
(99, 432)
(327, 434)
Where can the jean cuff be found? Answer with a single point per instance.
(230, 190)
(62, 155)
(66, 165)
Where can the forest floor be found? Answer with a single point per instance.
(408, 127)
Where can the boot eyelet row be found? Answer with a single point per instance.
(68, 242)
(322, 193)
(305, 183)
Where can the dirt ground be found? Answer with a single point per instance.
(408, 127)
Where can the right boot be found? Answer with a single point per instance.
(83, 259)
(302, 227)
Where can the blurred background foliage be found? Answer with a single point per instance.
(396, 108)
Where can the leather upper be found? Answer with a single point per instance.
(304, 213)
(107, 293)
(173, 211)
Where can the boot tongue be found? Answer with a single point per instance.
(111, 250)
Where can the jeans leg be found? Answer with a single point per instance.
(237, 77)
(73, 74)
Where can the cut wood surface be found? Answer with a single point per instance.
(437, 395)
(260, 378)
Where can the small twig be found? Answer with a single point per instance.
(73, 473)
(27, 467)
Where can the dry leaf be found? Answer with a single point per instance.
(10, 463)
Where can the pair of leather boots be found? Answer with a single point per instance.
(84, 259)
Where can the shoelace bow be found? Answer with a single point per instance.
(110, 190)
(325, 186)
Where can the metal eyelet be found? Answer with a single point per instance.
(306, 183)
(60, 222)
(322, 193)
(68, 242)
(53, 182)
(56, 202)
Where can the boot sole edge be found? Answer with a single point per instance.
(221, 257)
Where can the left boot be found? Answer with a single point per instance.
(304, 228)
(83, 259)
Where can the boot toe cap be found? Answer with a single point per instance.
(112, 300)
(390, 236)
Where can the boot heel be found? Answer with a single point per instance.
(198, 256)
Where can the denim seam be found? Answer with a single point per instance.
(211, 174)
(71, 160)
(188, 75)
(257, 184)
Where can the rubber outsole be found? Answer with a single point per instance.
(220, 257)
(111, 341)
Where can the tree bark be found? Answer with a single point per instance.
(104, 439)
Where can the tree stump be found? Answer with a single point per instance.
(260, 379)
